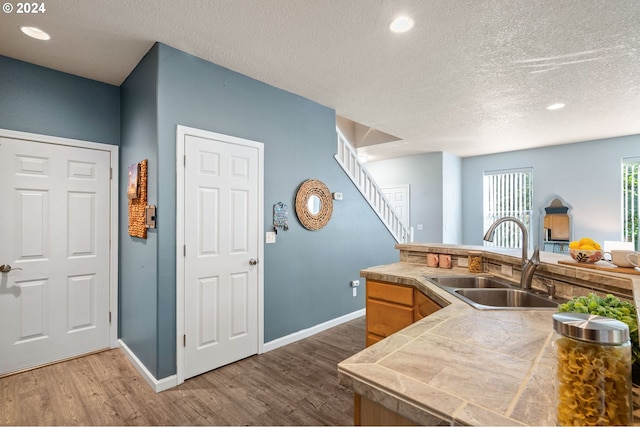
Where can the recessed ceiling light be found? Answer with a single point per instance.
(401, 24)
(556, 106)
(36, 33)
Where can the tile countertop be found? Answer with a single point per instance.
(461, 365)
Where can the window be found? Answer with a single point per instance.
(508, 193)
(630, 206)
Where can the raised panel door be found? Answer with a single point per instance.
(221, 236)
(55, 234)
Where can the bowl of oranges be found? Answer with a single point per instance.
(585, 250)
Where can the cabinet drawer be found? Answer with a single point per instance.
(384, 319)
(388, 292)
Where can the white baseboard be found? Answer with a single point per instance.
(305, 333)
(156, 385)
(172, 381)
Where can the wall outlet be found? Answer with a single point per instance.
(463, 262)
(506, 270)
(271, 237)
(355, 283)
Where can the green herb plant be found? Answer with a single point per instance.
(611, 307)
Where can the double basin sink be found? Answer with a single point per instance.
(492, 293)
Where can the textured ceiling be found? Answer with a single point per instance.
(473, 77)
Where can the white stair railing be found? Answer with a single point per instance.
(347, 157)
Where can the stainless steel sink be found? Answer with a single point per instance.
(506, 298)
(469, 282)
(492, 293)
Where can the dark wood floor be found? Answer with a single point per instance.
(293, 385)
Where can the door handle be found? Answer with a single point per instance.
(5, 268)
(253, 261)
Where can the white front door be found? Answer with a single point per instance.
(399, 198)
(54, 233)
(221, 262)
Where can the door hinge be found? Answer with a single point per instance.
(184, 250)
(185, 160)
(110, 173)
(184, 340)
(109, 317)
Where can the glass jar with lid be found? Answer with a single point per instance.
(593, 370)
(475, 262)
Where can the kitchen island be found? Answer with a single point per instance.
(461, 365)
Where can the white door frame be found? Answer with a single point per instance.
(113, 225)
(181, 132)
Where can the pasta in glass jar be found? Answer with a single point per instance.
(593, 370)
(475, 262)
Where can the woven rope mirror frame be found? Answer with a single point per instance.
(314, 204)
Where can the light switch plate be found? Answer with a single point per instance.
(463, 262)
(270, 237)
(150, 220)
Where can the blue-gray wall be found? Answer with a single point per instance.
(138, 297)
(40, 100)
(307, 273)
(424, 174)
(587, 175)
(451, 198)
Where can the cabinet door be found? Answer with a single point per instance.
(384, 319)
(369, 413)
(424, 306)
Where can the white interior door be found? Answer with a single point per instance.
(398, 196)
(221, 236)
(54, 233)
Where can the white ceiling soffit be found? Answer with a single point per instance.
(473, 77)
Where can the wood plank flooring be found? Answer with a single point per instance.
(293, 385)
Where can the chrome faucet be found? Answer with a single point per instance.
(528, 266)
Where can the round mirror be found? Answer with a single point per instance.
(314, 204)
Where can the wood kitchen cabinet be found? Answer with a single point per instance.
(369, 413)
(392, 307)
(389, 309)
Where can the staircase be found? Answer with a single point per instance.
(348, 159)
